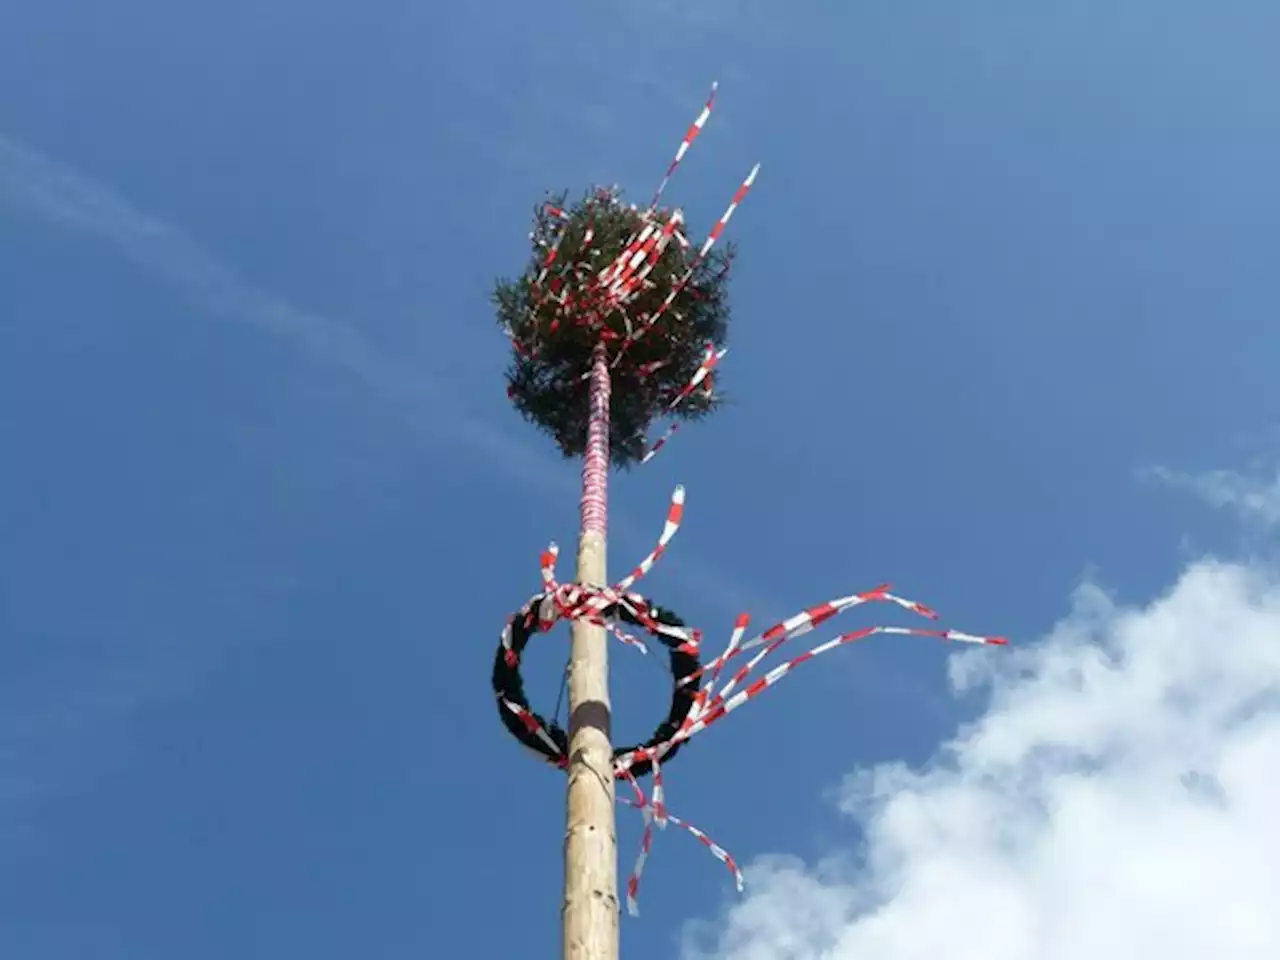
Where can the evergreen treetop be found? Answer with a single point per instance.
(556, 324)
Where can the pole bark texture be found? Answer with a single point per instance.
(590, 910)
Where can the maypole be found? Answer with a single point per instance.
(603, 275)
(589, 913)
(618, 322)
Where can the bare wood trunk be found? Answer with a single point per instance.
(590, 910)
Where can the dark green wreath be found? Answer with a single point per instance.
(508, 685)
(554, 347)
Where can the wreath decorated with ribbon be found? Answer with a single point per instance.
(548, 739)
(703, 691)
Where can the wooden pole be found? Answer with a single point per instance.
(590, 910)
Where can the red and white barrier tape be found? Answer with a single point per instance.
(594, 296)
(702, 374)
(691, 134)
(713, 701)
(572, 601)
(654, 812)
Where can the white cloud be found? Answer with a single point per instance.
(1254, 499)
(1120, 798)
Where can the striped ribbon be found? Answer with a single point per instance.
(594, 296)
(714, 700)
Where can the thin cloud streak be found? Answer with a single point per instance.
(38, 185)
(1253, 499)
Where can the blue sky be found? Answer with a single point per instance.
(263, 505)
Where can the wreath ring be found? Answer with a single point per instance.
(549, 740)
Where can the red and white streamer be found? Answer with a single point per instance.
(700, 376)
(710, 242)
(595, 296)
(595, 464)
(714, 700)
(573, 601)
(691, 134)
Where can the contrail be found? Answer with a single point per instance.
(46, 188)
(38, 185)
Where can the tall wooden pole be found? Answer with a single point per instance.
(590, 911)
